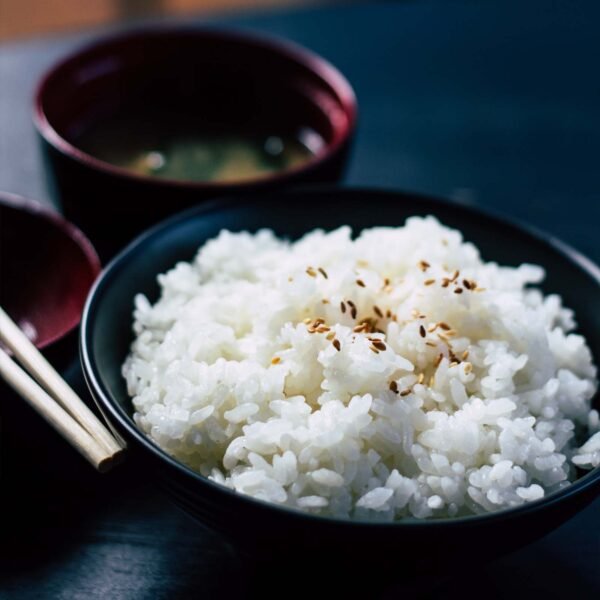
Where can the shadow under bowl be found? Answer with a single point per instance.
(47, 267)
(268, 530)
(217, 80)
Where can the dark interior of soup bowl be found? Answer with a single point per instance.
(206, 79)
(46, 269)
(106, 337)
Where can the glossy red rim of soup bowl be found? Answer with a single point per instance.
(100, 54)
(62, 266)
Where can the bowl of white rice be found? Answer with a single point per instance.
(332, 369)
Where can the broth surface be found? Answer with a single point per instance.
(172, 148)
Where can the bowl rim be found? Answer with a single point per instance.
(104, 398)
(288, 49)
(36, 209)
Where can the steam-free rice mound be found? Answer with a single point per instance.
(393, 375)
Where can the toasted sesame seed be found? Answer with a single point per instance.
(432, 381)
(360, 328)
(330, 335)
(422, 331)
(438, 360)
(424, 265)
(323, 329)
(343, 306)
(311, 272)
(431, 344)
(360, 282)
(353, 312)
(421, 378)
(325, 301)
(465, 355)
(394, 387)
(432, 328)
(443, 337)
(444, 326)
(337, 345)
(479, 289)
(429, 282)
(377, 311)
(323, 272)
(275, 360)
(307, 320)
(458, 291)
(455, 275)
(451, 332)
(414, 312)
(379, 345)
(350, 303)
(374, 349)
(466, 283)
(319, 321)
(405, 392)
(445, 282)
(386, 281)
(388, 314)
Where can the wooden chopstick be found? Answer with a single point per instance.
(80, 439)
(55, 387)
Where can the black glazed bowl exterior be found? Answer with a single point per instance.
(269, 530)
(220, 78)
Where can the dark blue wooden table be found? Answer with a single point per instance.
(496, 103)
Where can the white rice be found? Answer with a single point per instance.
(231, 374)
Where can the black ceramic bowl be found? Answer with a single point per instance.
(221, 80)
(106, 336)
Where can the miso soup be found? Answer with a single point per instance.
(172, 148)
